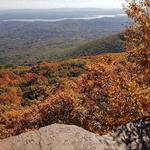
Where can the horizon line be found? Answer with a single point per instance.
(60, 8)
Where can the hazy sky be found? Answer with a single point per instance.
(18, 4)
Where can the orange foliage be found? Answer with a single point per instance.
(111, 92)
(138, 35)
(10, 96)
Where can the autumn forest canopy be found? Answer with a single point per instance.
(97, 82)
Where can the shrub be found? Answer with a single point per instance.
(35, 69)
(34, 93)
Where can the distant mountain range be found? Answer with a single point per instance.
(63, 19)
(30, 42)
(57, 13)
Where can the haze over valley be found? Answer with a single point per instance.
(29, 36)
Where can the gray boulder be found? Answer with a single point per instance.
(134, 136)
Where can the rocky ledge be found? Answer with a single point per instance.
(134, 136)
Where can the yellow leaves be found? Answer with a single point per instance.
(147, 3)
(10, 96)
(138, 34)
(141, 111)
(147, 24)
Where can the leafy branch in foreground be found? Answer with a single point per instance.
(138, 34)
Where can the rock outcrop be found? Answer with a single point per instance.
(134, 136)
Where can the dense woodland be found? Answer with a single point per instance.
(97, 93)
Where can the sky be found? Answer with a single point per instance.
(46, 4)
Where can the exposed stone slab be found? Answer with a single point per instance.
(134, 136)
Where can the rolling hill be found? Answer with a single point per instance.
(105, 44)
(31, 42)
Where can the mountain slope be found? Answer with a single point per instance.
(31, 42)
(97, 93)
(107, 44)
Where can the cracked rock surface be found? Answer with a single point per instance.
(134, 136)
